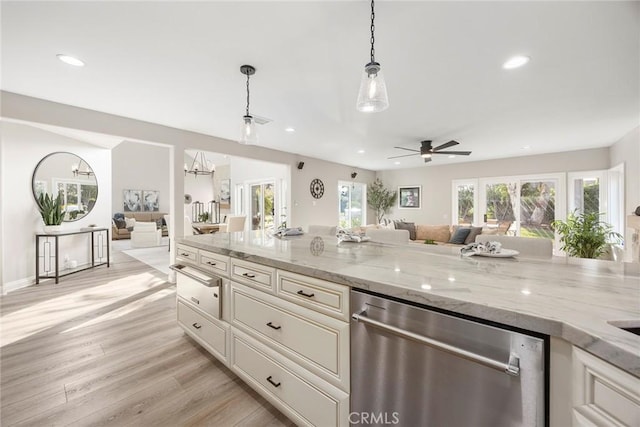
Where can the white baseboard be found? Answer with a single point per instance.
(18, 284)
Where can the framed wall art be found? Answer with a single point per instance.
(150, 201)
(409, 197)
(132, 200)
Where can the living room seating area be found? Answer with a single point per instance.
(122, 224)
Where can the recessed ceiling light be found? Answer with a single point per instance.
(360, 151)
(289, 129)
(70, 60)
(515, 62)
(526, 292)
(396, 163)
(397, 270)
(526, 147)
(451, 156)
(452, 279)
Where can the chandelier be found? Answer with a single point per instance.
(199, 166)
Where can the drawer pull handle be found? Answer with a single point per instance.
(195, 300)
(271, 325)
(301, 292)
(184, 254)
(211, 263)
(271, 381)
(250, 276)
(195, 325)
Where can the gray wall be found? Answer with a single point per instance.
(627, 151)
(436, 180)
(137, 166)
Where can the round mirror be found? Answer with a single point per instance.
(71, 177)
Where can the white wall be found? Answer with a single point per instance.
(137, 166)
(323, 211)
(436, 180)
(22, 148)
(627, 151)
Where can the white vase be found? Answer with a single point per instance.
(52, 228)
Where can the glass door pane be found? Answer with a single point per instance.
(537, 208)
(256, 206)
(268, 204)
(465, 196)
(500, 207)
(352, 204)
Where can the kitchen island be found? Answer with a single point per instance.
(572, 301)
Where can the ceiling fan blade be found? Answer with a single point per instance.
(457, 153)
(427, 159)
(404, 155)
(408, 149)
(446, 145)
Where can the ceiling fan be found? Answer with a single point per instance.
(426, 150)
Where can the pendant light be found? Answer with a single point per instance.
(373, 91)
(249, 131)
(199, 166)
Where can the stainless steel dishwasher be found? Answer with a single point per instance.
(411, 366)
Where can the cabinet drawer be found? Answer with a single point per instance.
(213, 262)
(316, 341)
(210, 335)
(298, 397)
(603, 394)
(320, 295)
(205, 298)
(187, 254)
(256, 275)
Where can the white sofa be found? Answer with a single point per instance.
(145, 234)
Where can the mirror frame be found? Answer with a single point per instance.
(33, 182)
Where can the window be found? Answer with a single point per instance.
(516, 205)
(352, 204)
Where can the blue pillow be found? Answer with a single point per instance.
(460, 235)
(118, 216)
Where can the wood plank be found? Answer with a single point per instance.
(103, 348)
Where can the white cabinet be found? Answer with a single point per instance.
(603, 394)
(304, 398)
(207, 332)
(313, 340)
(255, 275)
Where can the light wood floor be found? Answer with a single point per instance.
(102, 348)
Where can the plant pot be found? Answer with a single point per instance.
(52, 228)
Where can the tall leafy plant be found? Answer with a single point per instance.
(380, 198)
(585, 235)
(51, 208)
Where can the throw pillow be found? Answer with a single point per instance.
(471, 238)
(159, 222)
(438, 233)
(410, 226)
(131, 222)
(460, 235)
(118, 216)
(120, 223)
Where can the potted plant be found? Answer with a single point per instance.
(51, 211)
(585, 235)
(380, 198)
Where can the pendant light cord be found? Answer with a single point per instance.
(373, 28)
(247, 94)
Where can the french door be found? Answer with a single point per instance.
(262, 204)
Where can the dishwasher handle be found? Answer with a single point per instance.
(512, 367)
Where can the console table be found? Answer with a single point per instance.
(50, 256)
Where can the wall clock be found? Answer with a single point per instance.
(317, 188)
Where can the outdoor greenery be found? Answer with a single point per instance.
(380, 199)
(584, 235)
(51, 208)
(203, 217)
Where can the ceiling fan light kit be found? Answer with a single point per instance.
(249, 133)
(372, 96)
(427, 150)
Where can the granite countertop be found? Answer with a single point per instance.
(570, 298)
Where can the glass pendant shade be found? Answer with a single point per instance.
(249, 131)
(372, 97)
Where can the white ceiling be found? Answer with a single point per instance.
(177, 64)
